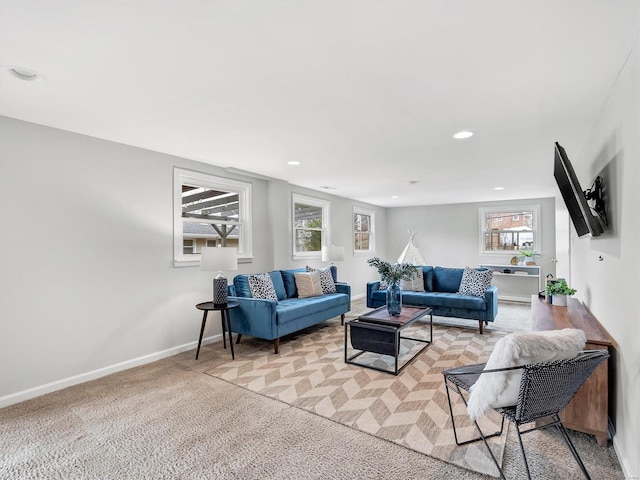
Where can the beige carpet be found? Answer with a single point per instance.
(166, 420)
(410, 409)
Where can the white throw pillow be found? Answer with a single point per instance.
(501, 389)
(415, 284)
(326, 279)
(308, 284)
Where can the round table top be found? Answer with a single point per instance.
(210, 306)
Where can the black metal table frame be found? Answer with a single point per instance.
(225, 320)
(390, 329)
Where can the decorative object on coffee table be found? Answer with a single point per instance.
(219, 258)
(392, 275)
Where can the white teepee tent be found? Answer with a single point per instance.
(411, 254)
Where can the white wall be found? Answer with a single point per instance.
(87, 285)
(609, 287)
(354, 269)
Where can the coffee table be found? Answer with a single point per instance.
(379, 332)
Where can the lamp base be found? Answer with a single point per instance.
(220, 296)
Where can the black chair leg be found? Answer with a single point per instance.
(574, 452)
(455, 433)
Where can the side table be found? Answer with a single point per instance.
(224, 318)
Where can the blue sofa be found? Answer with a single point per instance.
(271, 320)
(441, 285)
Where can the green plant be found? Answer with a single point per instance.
(392, 274)
(529, 253)
(559, 287)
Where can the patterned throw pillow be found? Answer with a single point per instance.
(308, 284)
(475, 282)
(261, 286)
(415, 284)
(326, 279)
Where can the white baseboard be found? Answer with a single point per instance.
(358, 297)
(30, 393)
(624, 464)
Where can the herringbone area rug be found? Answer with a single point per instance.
(409, 409)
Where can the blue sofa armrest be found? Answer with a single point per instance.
(255, 317)
(342, 287)
(371, 287)
(491, 294)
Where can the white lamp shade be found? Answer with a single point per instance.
(219, 258)
(332, 254)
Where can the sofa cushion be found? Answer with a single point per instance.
(415, 283)
(444, 299)
(261, 286)
(294, 308)
(447, 279)
(278, 284)
(241, 284)
(475, 281)
(290, 281)
(308, 284)
(326, 279)
(427, 273)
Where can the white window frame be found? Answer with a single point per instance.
(372, 231)
(510, 209)
(325, 205)
(244, 190)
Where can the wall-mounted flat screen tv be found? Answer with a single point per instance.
(583, 219)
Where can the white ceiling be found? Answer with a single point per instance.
(365, 94)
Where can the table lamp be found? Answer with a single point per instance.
(333, 254)
(219, 258)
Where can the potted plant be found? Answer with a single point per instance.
(392, 275)
(558, 291)
(529, 256)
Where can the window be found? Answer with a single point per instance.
(505, 229)
(310, 226)
(363, 230)
(209, 211)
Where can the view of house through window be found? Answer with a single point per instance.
(508, 229)
(211, 218)
(310, 218)
(363, 240)
(210, 212)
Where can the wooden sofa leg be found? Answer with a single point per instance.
(480, 322)
(239, 337)
(342, 319)
(276, 345)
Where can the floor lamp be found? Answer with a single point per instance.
(219, 258)
(333, 254)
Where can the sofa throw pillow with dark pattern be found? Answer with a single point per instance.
(326, 279)
(261, 286)
(475, 282)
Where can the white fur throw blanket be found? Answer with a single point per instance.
(501, 389)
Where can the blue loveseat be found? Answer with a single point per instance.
(270, 320)
(441, 286)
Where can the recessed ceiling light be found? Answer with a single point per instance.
(395, 196)
(24, 73)
(498, 188)
(293, 162)
(462, 134)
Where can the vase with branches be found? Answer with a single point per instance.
(392, 275)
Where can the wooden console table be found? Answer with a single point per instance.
(590, 409)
